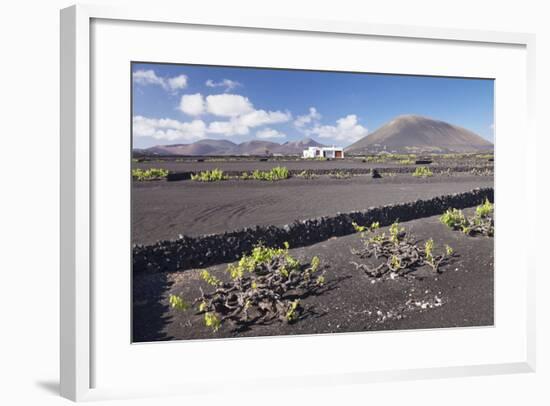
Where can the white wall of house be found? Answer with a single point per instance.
(324, 152)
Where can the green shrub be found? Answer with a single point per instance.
(453, 218)
(485, 210)
(396, 253)
(277, 173)
(177, 302)
(406, 161)
(481, 223)
(149, 174)
(263, 287)
(214, 175)
(423, 172)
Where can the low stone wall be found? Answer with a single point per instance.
(202, 251)
(175, 176)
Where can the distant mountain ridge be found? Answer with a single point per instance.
(226, 147)
(403, 134)
(297, 147)
(412, 133)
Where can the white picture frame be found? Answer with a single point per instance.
(77, 189)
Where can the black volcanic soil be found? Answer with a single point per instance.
(163, 210)
(242, 165)
(461, 296)
(250, 164)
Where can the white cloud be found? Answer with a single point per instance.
(192, 104)
(168, 129)
(257, 118)
(269, 133)
(226, 83)
(228, 105)
(346, 129)
(227, 128)
(149, 77)
(238, 117)
(241, 125)
(312, 116)
(177, 82)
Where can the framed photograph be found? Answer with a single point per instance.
(336, 197)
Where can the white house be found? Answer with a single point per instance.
(323, 152)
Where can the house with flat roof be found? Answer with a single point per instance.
(323, 152)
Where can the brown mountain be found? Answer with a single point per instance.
(225, 147)
(411, 133)
(254, 147)
(202, 147)
(296, 147)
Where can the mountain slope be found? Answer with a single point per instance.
(202, 147)
(225, 147)
(296, 147)
(254, 147)
(411, 133)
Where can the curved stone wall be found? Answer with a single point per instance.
(202, 251)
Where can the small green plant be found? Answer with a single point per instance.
(315, 262)
(292, 312)
(212, 321)
(210, 279)
(485, 210)
(214, 175)
(453, 218)
(422, 172)
(358, 228)
(406, 161)
(362, 229)
(428, 250)
(395, 263)
(177, 303)
(149, 174)
(396, 232)
(274, 174)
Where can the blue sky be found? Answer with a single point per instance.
(185, 103)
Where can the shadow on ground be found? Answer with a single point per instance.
(150, 315)
(51, 387)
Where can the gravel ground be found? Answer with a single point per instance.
(163, 210)
(462, 296)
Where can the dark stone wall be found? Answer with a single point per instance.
(202, 251)
(174, 176)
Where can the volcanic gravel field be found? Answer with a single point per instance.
(163, 210)
(461, 296)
